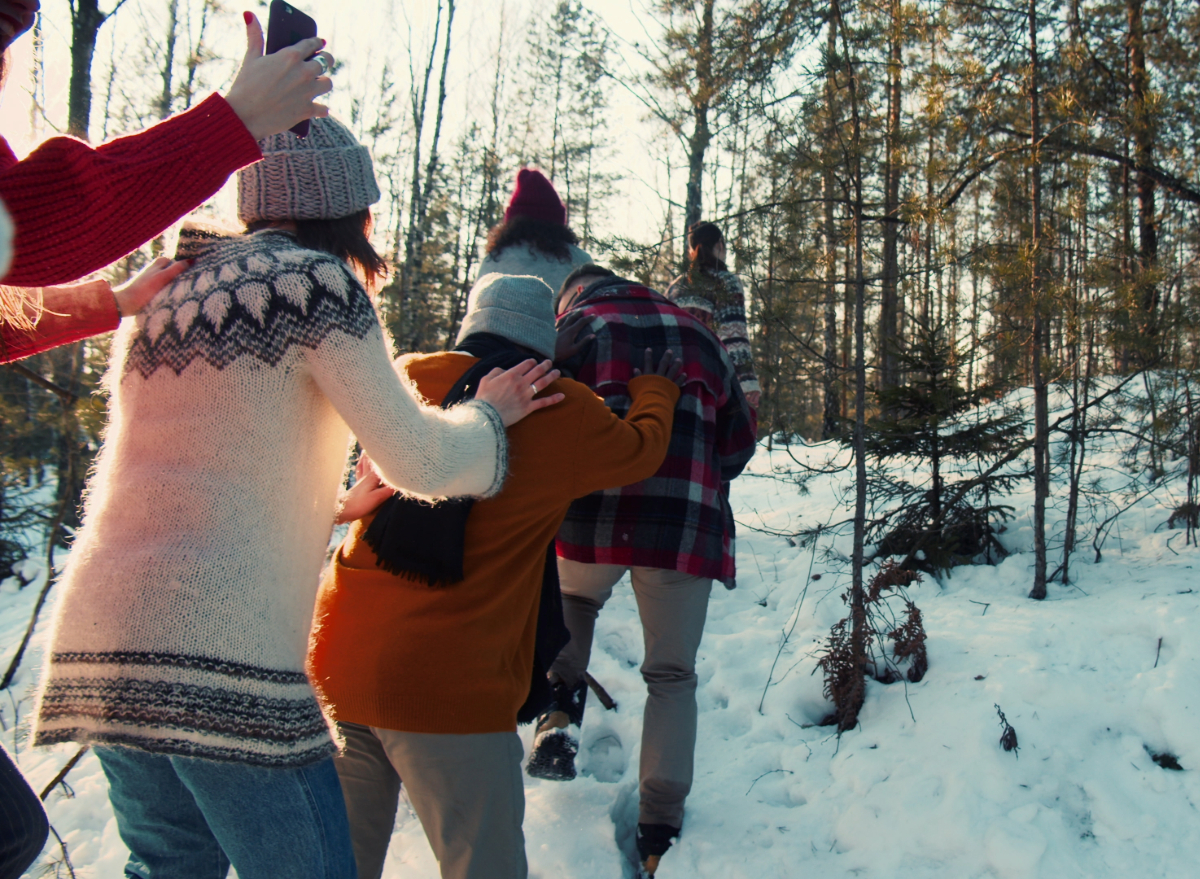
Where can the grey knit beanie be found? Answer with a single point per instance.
(516, 307)
(324, 176)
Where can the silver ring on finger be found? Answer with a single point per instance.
(534, 388)
(320, 59)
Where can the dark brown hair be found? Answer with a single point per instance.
(346, 238)
(702, 238)
(588, 270)
(549, 238)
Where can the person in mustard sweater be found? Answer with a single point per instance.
(423, 640)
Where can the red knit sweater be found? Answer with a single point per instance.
(78, 208)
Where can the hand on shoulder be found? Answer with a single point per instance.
(669, 367)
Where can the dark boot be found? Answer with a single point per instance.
(653, 840)
(557, 741)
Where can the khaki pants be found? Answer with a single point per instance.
(467, 790)
(672, 606)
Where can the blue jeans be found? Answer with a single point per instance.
(189, 818)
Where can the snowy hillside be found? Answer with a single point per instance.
(1095, 680)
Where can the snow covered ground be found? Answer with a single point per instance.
(921, 788)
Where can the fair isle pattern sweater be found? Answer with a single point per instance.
(187, 601)
(715, 297)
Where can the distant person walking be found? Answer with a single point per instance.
(672, 532)
(714, 296)
(534, 238)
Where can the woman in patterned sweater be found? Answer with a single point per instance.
(179, 644)
(713, 294)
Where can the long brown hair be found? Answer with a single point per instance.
(345, 237)
(703, 238)
(549, 238)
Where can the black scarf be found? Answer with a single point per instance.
(427, 541)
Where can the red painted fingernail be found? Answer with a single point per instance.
(249, 16)
(323, 43)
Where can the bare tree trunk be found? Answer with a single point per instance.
(1081, 381)
(701, 134)
(1143, 146)
(419, 100)
(423, 221)
(196, 53)
(1041, 417)
(830, 425)
(975, 354)
(889, 372)
(168, 69)
(86, 21)
(858, 632)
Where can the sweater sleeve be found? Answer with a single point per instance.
(419, 449)
(737, 433)
(729, 323)
(68, 315)
(616, 452)
(77, 208)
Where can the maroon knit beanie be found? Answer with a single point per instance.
(534, 197)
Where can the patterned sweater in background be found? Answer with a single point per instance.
(187, 602)
(715, 298)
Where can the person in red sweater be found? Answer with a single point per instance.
(32, 321)
(424, 633)
(77, 208)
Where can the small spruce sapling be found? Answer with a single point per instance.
(940, 512)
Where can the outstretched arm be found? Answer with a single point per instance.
(79, 208)
(622, 451)
(77, 311)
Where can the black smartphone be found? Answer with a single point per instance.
(287, 26)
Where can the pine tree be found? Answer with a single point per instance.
(946, 517)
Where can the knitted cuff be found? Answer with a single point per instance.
(497, 423)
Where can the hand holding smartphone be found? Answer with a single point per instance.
(287, 26)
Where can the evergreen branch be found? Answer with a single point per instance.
(1021, 448)
(1177, 185)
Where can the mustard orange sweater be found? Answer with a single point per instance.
(392, 652)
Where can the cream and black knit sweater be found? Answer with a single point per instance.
(187, 601)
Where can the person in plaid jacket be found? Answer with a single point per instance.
(673, 532)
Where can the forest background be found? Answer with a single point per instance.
(977, 196)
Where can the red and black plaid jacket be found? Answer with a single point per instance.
(679, 519)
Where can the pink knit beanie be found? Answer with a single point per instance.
(534, 197)
(324, 176)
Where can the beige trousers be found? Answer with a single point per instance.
(672, 606)
(467, 790)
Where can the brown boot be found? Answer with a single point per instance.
(653, 840)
